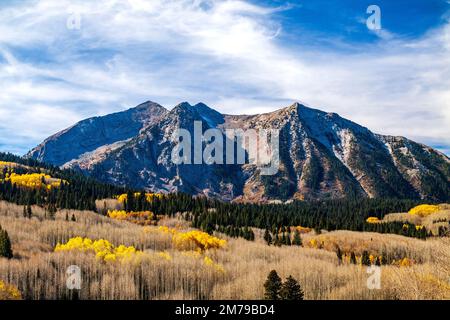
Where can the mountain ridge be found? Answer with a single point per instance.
(322, 156)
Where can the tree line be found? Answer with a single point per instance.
(343, 214)
(78, 192)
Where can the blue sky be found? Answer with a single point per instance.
(236, 56)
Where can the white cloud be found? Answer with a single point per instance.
(225, 53)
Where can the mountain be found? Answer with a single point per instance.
(322, 156)
(90, 134)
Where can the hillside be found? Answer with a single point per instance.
(135, 245)
(30, 182)
(156, 265)
(322, 156)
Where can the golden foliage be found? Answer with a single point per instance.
(9, 292)
(313, 243)
(373, 220)
(34, 180)
(165, 255)
(117, 214)
(8, 164)
(209, 262)
(432, 222)
(316, 243)
(405, 262)
(206, 260)
(194, 243)
(165, 229)
(192, 254)
(148, 196)
(199, 240)
(142, 217)
(424, 210)
(103, 249)
(301, 229)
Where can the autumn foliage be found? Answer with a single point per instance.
(424, 210)
(8, 164)
(103, 249)
(143, 218)
(197, 240)
(9, 292)
(301, 229)
(195, 244)
(148, 196)
(33, 180)
(373, 220)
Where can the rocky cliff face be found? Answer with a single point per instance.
(321, 156)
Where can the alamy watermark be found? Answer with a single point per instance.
(232, 146)
(373, 22)
(374, 280)
(74, 20)
(73, 281)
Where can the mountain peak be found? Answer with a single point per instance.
(90, 134)
(146, 105)
(323, 156)
(202, 105)
(184, 106)
(296, 107)
(211, 116)
(200, 111)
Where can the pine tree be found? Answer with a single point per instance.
(29, 212)
(384, 260)
(365, 259)
(288, 239)
(268, 237)
(291, 290)
(283, 239)
(5, 244)
(378, 262)
(272, 286)
(105, 209)
(353, 258)
(129, 204)
(251, 235)
(297, 239)
(339, 254)
(277, 241)
(52, 212)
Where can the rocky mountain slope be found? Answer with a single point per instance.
(90, 134)
(321, 156)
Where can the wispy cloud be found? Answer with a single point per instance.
(226, 53)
